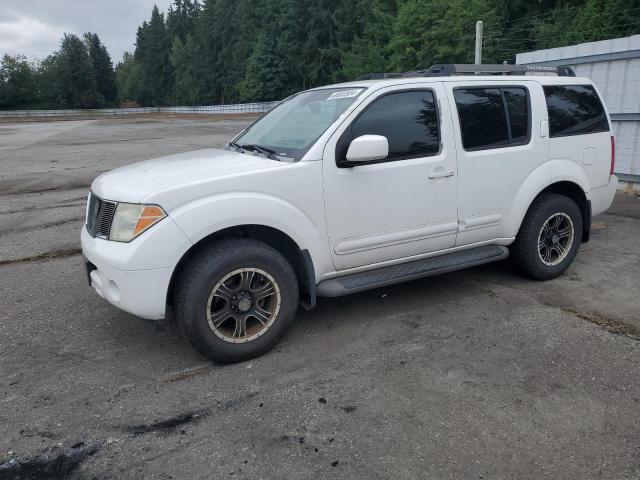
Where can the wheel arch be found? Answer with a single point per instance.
(299, 259)
(576, 193)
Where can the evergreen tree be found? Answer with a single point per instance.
(437, 31)
(17, 82)
(72, 68)
(103, 70)
(369, 50)
(128, 78)
(225, 51)
(267, 76)
(182, 18)
(186, 84)
(152, 52)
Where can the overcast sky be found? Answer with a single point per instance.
(34, 27)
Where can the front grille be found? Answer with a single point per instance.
(99, 216)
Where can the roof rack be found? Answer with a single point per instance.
(379, 76)
(450, 69)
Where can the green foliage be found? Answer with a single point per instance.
(226, 51)
(107, 93)
(152, 52)
(74, 83)
(186, 86)
(266, 77)
(369, 50)
(436, 31)
(17, 82)
(128, 78)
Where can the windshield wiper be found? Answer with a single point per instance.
(267, 152)
(234, 145)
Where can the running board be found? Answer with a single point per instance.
(381, 277)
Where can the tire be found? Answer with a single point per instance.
(543, 262)
(236, 278)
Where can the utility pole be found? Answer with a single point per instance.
(478, 59)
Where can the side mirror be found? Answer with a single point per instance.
(367, 148)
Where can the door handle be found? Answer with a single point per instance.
(441, 174)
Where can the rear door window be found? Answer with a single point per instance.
(493, 117)
(574, 110)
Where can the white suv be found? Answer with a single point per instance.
(350, 187)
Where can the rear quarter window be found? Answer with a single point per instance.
(574, 110)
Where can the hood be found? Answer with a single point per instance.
(134, 182)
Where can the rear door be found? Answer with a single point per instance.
(498, 145)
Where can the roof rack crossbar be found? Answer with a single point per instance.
(450, 69)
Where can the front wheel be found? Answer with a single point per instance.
(236, 299)
(549, 237)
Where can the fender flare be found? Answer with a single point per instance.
(541, 178)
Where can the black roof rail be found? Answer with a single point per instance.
(379, 76)
(450, 69)
(447, 69)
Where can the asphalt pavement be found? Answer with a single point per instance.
(473, 374)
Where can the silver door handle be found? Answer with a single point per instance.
(441, 174)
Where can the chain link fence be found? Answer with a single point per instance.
(260, 107)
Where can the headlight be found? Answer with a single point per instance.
(130, 220)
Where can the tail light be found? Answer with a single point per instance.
(613, 154)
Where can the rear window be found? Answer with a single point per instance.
(493, 117)
(574, 110)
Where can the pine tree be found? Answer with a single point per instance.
(152, 52)
(128, 78)
(72, 68)
(369, 50)
(103, 69)
(267, 76)
(17, 82)
(437, 31)
(186, 86)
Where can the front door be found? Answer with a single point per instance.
(406, 204)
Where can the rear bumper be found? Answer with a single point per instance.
(602, 197)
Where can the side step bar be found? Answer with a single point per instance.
(381, 277)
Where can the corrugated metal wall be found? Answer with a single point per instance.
(614, 66)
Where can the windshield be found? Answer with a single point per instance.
(292, 127)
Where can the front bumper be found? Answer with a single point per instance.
(135, 276)
(140, 292)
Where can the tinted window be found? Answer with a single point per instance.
(409, 120)
(574, 110)
(492, 117)
(517, 107)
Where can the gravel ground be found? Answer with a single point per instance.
(473, 374)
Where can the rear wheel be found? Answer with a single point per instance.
(236, 299)
(549, 237)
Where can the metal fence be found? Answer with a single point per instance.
(261, 107)
(614, 66)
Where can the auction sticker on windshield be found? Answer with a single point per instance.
(352, 92)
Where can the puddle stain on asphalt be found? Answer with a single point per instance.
(169, 425)
(43, 256)
(51, 465)
(610, 325)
